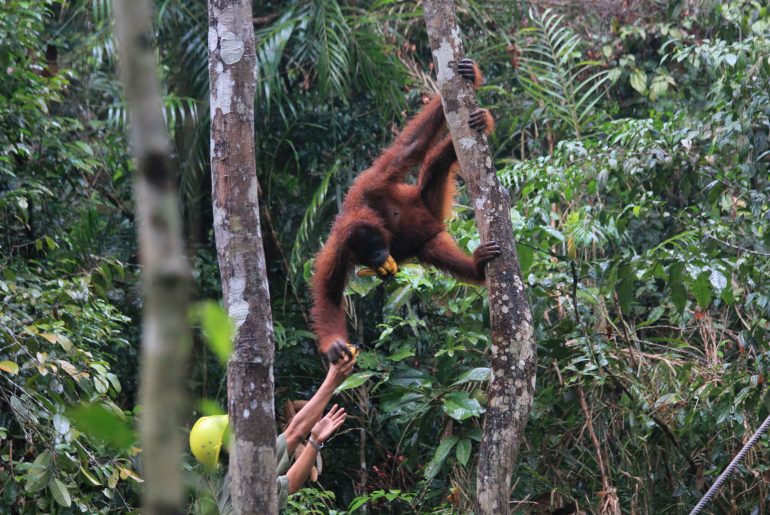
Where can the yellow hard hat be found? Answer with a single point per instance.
(206, 438)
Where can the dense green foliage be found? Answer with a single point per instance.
(637, 149)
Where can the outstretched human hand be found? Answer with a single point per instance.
(340, 370)
(326, 427)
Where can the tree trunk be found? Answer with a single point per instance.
(513, 347)
(166, 278)
(232, 62)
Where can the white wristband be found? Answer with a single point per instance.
(318, 446)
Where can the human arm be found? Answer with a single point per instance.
(307, 417)
(321, 432)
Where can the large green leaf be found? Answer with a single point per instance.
(526, 258)
(9, 367)
(639, 81)
(355, 380)
(460, 405)
(463, 451)
(554, 75)
(701, 289)
(59, 492)
(678, 291)
(103, 424)
(474, 374)
(625, 287)
(442, 451)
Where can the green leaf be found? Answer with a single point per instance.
(59, 492)
(678, 291)
(218, 329)
(442, 451)
(65, 342)
(398, 298)
(463, 451)
(526, 258)
(727, 295)
(10, 367)
(357, 503)
(403, 353)
(474, 374)
(34, 482)
(209, 407)
(555, 233)
(103, 424)
(460, 406)
(355, 380)
(39, 473)
(639, 81)
(701, 289)
(625, 287)
(718, 281)
(89, 476)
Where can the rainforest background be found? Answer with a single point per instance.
(634, 138)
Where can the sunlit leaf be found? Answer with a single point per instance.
(10, 367)
(460, 405)
(639, 81)
(355, 380)
(59, 492)
(218, 329)
(474, 374)
(103, 424)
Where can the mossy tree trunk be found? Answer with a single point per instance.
(232, 61)
(513, 347)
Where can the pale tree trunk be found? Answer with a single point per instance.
(232, 61)
(513, 347)
(166, 279)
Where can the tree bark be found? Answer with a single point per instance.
(166, 278)
(513, 347)
(232, 71)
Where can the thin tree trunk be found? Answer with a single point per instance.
(166, 278)
(232, 62)
(513, 348)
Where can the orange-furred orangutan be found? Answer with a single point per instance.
(384, 220)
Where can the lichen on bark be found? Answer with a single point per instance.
(232, 61)
(513, 348)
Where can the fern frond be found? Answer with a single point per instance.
(552, 72)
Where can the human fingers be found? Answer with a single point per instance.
(337, 414)
(332, 411)
(339, 421)
(347, 367)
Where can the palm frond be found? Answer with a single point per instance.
(328, 45)
(553, 74)
(271, 46)
(308, 221)
(176, 110)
